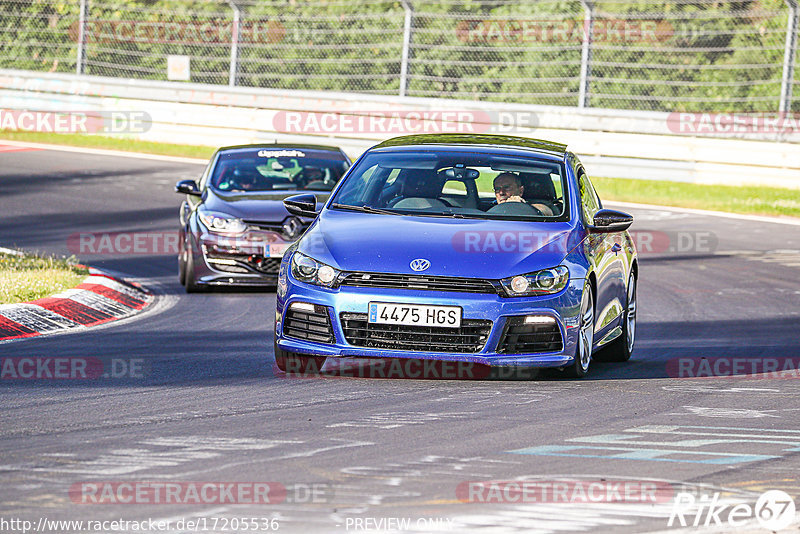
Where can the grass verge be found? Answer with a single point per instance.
(754, 200)
(26, 277)
(112, 143)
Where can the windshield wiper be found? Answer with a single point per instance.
(365, 209)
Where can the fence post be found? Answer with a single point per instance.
(409, 14)
(80, 60)
(789, 58)
(586, 53)
(235, 32)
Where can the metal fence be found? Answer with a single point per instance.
(679, 55)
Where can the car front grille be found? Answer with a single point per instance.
(469, 338)
(233, 262)
(419, 282)
(276, 226)
(302, 323)
(520, 337)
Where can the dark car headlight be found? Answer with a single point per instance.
(307, 269)
(220, 223)
(544, 282)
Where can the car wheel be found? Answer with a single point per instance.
(297, 363)
(182, 265)
(190, 281)
(583, 350)
(620, 349)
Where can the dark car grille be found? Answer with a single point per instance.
(520, 337)
(307, 325)
(277, 227)
(245, 263)
(469, 338)
(418, 282)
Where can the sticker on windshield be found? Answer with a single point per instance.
(281, 154)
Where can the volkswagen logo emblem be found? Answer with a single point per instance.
(292, 227)
(420, 264)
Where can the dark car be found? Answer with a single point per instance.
(487, 249)
(234, 227)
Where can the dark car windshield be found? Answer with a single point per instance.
(265, 169)
(457, 184)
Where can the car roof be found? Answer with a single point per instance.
(486, 140)
(271, 146)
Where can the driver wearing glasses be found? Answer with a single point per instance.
(508, 188)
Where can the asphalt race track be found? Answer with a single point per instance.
(209, 406)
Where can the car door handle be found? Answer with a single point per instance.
(616, 248)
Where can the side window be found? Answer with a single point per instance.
(590, 203)
(204, 178)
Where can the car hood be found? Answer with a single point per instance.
(257, 206)
(473, 248)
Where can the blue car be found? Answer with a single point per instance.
(487, 249)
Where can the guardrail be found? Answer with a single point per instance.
(743, 149)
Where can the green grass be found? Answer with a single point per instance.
(112, 143)
(736, 199)
(28, 277)
(755, 200)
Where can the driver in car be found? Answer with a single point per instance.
(508, 188)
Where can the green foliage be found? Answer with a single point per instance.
(688, 56)
(27, 277)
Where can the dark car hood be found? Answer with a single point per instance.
(257, 206)
(473, 248)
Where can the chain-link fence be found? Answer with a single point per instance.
(692, 55)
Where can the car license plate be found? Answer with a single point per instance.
(275, 250)
(415, 314)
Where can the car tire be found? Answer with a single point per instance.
(620, 349)
(182, 265)
(190, 281)
(583, 351)
(297, 363)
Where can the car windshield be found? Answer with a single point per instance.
(456, 184)
(265, 169)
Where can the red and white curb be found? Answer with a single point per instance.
(99, 299)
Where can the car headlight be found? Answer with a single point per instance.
(544, 282)
(221, 223)
(307, 269)
(283, 281)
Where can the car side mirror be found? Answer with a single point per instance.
(302, 205)
(188, 187)
(608, 221)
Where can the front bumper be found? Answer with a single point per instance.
(563, 307)
(238, 262)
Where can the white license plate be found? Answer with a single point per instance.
(415, 314)
(275, 250)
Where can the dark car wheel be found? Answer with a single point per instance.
(620, 349)
(189, 278)
(289, 362)
(583, 351)
(182, 265)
